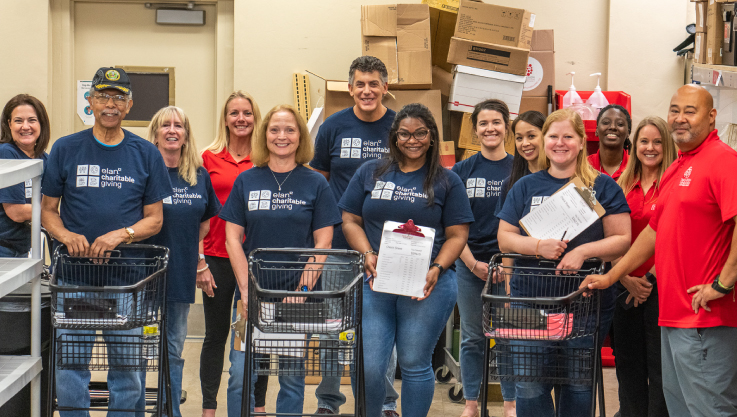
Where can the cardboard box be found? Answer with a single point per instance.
(443, 17)
(494, 24)
(540, 65)
(473, 85)
(714, 33)
(534, 103)
(441, 80)
(699, 51)
(700, 16)
(399, 35)
(467, 138)
(488, 56)
(468, 153)
(337, 98)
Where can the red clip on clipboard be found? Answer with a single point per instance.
(409, 228)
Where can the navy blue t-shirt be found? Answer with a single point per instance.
(104, 188)
(530, 191)
(15, 235)
(344, 142)
(398, 196)
(187, 207)
(483, 179)
(280, 219)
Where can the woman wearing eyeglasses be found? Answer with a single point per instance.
(413, 186)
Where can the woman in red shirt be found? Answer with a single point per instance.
(637, 341)
(225, 158)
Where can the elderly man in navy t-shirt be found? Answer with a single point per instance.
(112, 183)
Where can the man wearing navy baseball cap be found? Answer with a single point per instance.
(112, 183)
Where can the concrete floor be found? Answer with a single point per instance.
(441, 406)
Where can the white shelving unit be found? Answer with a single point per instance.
(17, 371)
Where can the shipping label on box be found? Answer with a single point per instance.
(494, 24)
(473, 85)
(700, 17)
(488, 56)
(443, 16)
(399, 35)
(699, 50)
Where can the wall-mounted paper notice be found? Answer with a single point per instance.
(84, 111)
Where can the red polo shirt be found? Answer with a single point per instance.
(223, 171)
(694, 224)
(642, 207)
(595, 161)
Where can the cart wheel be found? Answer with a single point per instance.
(443, 374)
(455, 393)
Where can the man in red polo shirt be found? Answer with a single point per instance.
(692, 237)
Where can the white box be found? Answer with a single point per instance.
(473, 85)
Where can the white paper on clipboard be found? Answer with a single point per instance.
(403, 261)
(563, 213)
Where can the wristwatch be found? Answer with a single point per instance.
(131, 234)
(721, 288)
(200, 257)
(440, 268)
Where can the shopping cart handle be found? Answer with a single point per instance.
(564, 300)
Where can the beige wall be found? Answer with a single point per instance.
(24, 49)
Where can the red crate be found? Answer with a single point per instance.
(614, 97)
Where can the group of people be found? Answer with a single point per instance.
(263, 184)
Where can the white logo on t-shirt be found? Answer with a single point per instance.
(28, 188)
(383, 190)
(167, 200)
(686, 180)
(259, 200)
(93, 176)
(350, 148)
(537, 200)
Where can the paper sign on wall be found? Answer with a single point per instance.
(84, 111)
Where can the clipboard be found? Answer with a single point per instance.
(588, 196)
(404, 258)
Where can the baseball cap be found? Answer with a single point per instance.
(109, 77)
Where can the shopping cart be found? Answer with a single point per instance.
(92, 301)
(546, 331)
(281, 322)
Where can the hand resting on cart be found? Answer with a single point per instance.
(310, 275)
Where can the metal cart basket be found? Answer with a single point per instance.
(546, 330)
(281, 320)
(93, 299)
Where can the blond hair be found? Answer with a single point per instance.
(190, 160)
(633, 171)
(222, 140)
(259, 150)
(584, 171)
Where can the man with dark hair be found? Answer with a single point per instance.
(344, 142)
(103, 187)
(692, 234)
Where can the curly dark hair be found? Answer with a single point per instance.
(435, 171)
(369, 64)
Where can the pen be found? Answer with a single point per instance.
(564, 235)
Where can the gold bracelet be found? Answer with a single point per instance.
(537, 247)
(474, 266)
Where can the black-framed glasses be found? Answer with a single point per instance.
(419, 135)
(103, 98)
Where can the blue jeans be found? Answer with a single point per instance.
(328, 391)
(10, 253)
(533, 398)
(414, 326)
(473, 341)
(125, 386)
(176, 333)
(291, 388)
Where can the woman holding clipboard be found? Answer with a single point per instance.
(562, 159)
(413, 185)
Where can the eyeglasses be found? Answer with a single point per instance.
(103, 98)
(419, 135)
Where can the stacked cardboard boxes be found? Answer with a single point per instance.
(540, 73)
(714, 33)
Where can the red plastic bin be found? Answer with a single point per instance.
(614, 97)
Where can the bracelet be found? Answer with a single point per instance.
(537, 247)
(203, 269)
(370, 251)
(474, 266)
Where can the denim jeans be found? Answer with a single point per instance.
(125, 386)
(10, 253)
(328, 391)
(176, 333)
(291, 388)
(414, 326)
(473, 341)
(533, 398)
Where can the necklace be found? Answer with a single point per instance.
(285, 179)
(231, 151)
